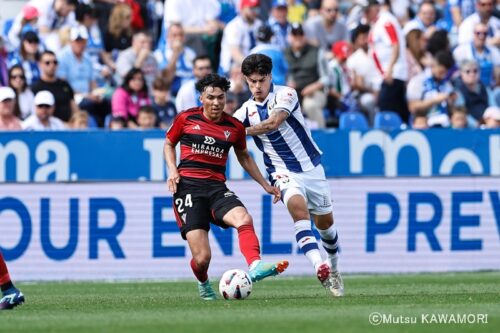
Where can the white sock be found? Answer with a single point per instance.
(307, 242)
(329, 240)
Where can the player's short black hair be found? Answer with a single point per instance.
(213, 80)
(257, 64)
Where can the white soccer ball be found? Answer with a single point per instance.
(235, 284)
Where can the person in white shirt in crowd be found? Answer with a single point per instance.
(42, 119)
(240, 35)
(53, 15)
(388, 49)
(432, 92)
(24, 21)
(424, 20)
(23, 104)
(483, 14)
(279, 24)
(199, 19)
(188, 97)
(365, 79)
(487, 57)
(339, 88)
(328, 27)
(175, 53)
(139, 55)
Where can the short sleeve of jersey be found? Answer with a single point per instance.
(241, 141)
(286, 99)
(241, 114)
(174, 133)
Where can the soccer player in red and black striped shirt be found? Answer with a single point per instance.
(206, 134)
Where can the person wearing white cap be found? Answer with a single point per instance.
(8, 121)
(42, 119)
(491, 117)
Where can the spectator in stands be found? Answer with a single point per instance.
(139, 55)
(339, 89)
(79, 120)
(458, 118)
(128, 99)
(279, 24)
(424, 20)
(117, 123)
(188, 97)
(86, 15)
(65, 104)
(438, 42)
(75, 66)
(27, 57)
(491, 117)
(325, 29)
(419, 121)
(460, 9)
(415, 52)
(239, 88)
(432, 92)
(42, 119)
(146, 118)
(118, 35)
(8, 121)
(280, 66)
(163, 106)
(487, 57)
(23, 104)
(53, 16)
(25, 21)
(307, 74)
(240, 35)
(483, 14)
(176, 54)
(472, 89)
(389, 53)
(365, 79)
(199, 19)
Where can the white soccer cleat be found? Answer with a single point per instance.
(330, 279)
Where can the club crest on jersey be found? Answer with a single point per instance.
(227, 134)
(209, 140)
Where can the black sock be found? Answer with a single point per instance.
(7, 286)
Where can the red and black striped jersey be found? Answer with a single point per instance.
(205, 144)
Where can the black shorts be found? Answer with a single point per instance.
(199, 202)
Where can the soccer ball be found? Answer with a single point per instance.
(235, 284)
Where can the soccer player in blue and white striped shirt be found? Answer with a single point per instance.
(274, 118)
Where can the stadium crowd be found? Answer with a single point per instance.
(362, 63)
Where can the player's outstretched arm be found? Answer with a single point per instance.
(173, 173)
(251, 167)
(270, 124)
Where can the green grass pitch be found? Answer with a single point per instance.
(277, 305)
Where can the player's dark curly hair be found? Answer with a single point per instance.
(257, 64)
(213, 80)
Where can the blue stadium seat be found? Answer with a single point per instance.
(387, 121)
(353, 120)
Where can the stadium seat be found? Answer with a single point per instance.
(387, 121)
(353, 120)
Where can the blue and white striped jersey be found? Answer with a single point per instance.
(291, 146)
